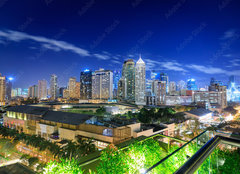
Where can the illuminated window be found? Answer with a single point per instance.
(107, 132)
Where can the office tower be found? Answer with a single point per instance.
(17, 92)
(140, 82)
(33, 91)
(86, 84)
(164, 78)
(24, 92)
(102, 84)
(159, 91)
(216, 98)
(61, 91)
(72, 87)
(66, 94)
(191, 84)
(149, 86)
(42, 89)
(128, 73)
(77, 90)
(122, 89)
(172, 88)
(53, 87)
(231, 80)
(181, 85)
(116, 78)
(2, 89)
(214, 85)
(8, 88)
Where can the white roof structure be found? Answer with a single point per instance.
(140, 61)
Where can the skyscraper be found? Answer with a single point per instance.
(2, 89)
(140, 81)
(181, 85)
(191, 84)
(42, 89)
(72, 87)
(61, 91)
(86, 84)
(122, 89)
(164, 78)
(128, 73)
(77, 90)
(8, 88)
(33, 91)
(159, 91)
(53, 87)
(116, 78)
(102, 84)
(172, 87)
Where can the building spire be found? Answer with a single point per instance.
(140, 60)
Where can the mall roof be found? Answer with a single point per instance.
(199, 112)
(56, 116)
(66, 117)
(28, 109)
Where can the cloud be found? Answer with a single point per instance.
(212, 70)
(228, 34)
(116, 62)
(50, 44)
(207, 70)
(102, 56)
(164, 65)
(233, 63)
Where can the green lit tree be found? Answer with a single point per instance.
(64, 166)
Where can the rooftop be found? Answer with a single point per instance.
(15, 169)
(199, 112)
(29, 109)
(66, 117)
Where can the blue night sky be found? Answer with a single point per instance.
(186, 39)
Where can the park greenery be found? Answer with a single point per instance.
(80, 148)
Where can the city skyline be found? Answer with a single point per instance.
(43, 44)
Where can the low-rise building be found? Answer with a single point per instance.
(203, 115)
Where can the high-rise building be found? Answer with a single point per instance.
(191, 84)
(77, 90)
(102, 84)
(116, 78)
(214, 98)
(17, 92)
(66, 94)
(181, 85)
(24, 92)
(164, 78)
(72, 87)
(128, 72)
(122, 89)
(214, 84)
(8, 88)
(42, 89)
(172, 87)
(86, 84)
(53, 87)
(61, 91)
(2, 89)
(159, 91)
(33, 91)
(140, 82)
